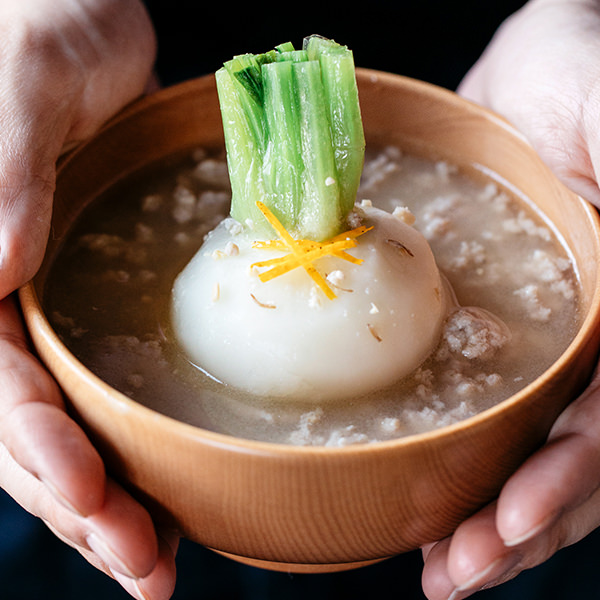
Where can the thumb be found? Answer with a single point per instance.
(26, 193)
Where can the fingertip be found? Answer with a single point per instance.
(160, 583)
(127, 529)
(17, 268)
(540, 490)
(25, 216)
(515, 529)
(435, 580)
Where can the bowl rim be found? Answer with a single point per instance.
(36, 317)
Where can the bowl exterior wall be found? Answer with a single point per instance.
(301, 506)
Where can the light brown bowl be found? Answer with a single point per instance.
(319, 509)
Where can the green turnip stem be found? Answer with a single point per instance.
(293, 135)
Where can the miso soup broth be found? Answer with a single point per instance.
(109, 290)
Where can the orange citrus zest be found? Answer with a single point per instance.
(303, 253)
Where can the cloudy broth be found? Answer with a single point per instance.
(109, 291)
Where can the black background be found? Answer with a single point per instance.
(433, 40)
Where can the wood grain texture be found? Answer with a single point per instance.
(319, 509)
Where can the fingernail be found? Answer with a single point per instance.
(139, 592)
(131, 586)
(61, 497)
(456, 595)
(109, 556)
(494, 572)
(530, 533)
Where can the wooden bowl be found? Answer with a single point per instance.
(311, 509)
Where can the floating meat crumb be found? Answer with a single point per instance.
(109, 245)
(135, 380)
(211, 202)
(184, 209)
(152, 202)
(304, 434)
(376, 170)
(524, 224)
(552, 270)
(390, 425)
(473, 333)
(144, 233)
(470, 253)
(444, 169)
(182, 238)
(536, 310)
(345, 437)
(116, 275)
(146, 276)
(212, 172)
(62, 321)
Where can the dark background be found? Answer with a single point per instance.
(433, 40)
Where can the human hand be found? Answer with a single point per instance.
(49, 467)
(541, 72)
(551, 502)
(66, 67)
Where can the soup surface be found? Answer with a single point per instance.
(109, 291)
